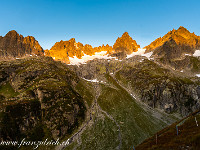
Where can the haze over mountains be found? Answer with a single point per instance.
(116, 101)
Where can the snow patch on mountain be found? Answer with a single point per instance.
(198, 75)
(93, 80)
(141, 52)
(148, 55)
(100, 55)
(104, 55)
(196, 53)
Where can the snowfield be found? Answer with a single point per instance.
(100, 55)
(196, 53)
(198, 75)
(103, 55)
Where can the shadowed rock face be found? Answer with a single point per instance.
(40, 99)
(175, 44)
(174, 47)
(15, 45)
(181, 36)
(172, 50)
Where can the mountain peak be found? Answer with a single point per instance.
(15, 45)
(12, 33)
(125, 44)
(72, 40)
(182, 28)
(181, 36)
(125, 34)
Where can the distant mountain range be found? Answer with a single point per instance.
(64, 49)
(173, 45)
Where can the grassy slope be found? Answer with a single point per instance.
(86, 90)
(167, 139)
(7, 91)
(136, 124)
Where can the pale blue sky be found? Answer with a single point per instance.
(97, 22)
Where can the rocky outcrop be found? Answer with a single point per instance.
(64, 49)
(159, 88)
(106, 47)
(172, 50)
(13, 45)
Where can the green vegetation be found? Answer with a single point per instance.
(7, 91)
(86, 91)
(135, 123)
(195, 64)
(53, 97)
(102, 135)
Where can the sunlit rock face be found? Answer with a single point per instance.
(175, 43)
(181, 36)
(13, 45)
(125, 44)
(176, 49)
(71, 50)
(63, 50)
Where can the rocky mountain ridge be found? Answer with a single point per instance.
(181, 36)
(64, 49)
(13, 45)
(174, 45)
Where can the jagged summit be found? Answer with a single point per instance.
(73, 40)
(14, 45)
(181, 36)
(125, 34)
(12, 33)
(64, 49)
(125, 44)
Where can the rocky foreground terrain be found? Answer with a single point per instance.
(113, 103)
(38, 100)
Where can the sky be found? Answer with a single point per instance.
(97, 22)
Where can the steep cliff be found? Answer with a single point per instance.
(13, 45)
